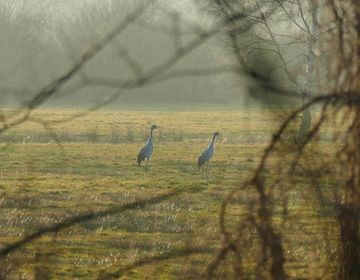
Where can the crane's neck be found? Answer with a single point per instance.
(150, 136)
(212, 140)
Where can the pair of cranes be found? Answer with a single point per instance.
(203, 160)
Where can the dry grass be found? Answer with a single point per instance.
(42, 182)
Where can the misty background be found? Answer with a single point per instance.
(41, 39)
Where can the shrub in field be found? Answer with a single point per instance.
(178, 137)
(92, 135)
(115, 135)
(130, 135)
(160, 135)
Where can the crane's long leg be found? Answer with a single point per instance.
(146, 165)
(207, 165)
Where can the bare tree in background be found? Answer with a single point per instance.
(283, 41)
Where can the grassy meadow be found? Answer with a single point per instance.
(55, 169)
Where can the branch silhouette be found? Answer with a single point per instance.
(139, 204)
(175, 253)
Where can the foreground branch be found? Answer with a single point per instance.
(139, 204)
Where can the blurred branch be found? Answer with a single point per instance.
(130, 61)
(139, 204)
(279, 53)
(175, 253)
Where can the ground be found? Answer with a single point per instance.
(58, 170)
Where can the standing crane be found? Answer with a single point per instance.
(146, 151)
(204, 158)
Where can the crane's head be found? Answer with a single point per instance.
(154, 126)
(216, 134)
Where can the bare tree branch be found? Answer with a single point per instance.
(139, 204)
(175, 253)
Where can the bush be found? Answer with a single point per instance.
(92, 135)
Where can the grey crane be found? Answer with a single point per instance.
(146, 151)
(204, 158)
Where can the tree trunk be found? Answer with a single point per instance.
(305, 122)
(349, 231)
(349, 212)
(310, 62)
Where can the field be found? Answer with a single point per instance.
(54, 170)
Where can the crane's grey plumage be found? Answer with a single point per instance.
(146, 151)
(206, 155)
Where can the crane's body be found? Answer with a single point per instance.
(146, 151)
(206, 155)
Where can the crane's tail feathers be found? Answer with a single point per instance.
(200, 162)
(139, 160)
